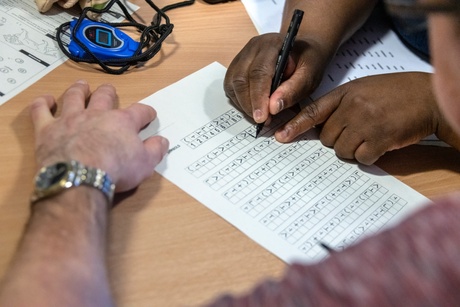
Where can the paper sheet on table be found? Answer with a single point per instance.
(28, 48)
(286, 197)
(265, 15)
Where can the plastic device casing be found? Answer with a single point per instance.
(104, 41)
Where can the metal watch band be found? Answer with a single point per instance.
(76, 174)
(93, 177)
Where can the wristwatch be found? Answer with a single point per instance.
(53, 179)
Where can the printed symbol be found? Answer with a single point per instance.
(5, 69)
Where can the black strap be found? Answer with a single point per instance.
(150, 39)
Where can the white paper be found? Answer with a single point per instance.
(28, 49)
(265, 14)
(287, 197)
(373, 49)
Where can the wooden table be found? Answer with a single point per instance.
(167, 249)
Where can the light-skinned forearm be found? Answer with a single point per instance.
(60, 260)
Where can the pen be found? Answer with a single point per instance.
(326, 247)
(283, 55)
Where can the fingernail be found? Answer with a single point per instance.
(81, 82)
(280, 105)
(257, 114)
(165, 145)
(284, 133)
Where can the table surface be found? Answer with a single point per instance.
(165, 248)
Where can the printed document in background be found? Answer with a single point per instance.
(28, 49)
(287, 197)
(265, 14)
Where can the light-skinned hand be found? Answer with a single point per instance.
(91, 130)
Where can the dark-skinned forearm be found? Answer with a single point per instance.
(328, 22)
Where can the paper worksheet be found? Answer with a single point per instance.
(28, 47)
(373, 49)
(287, 197)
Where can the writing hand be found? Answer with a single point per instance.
(248, 79)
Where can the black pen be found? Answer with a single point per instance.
(326, 247)
(283, 55)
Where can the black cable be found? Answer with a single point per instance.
(157, 18)
(150, 41)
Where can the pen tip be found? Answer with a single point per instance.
(259, 128)
(326, 247)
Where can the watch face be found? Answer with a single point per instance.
(51, 175)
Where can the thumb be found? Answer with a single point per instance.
(313, 114)
(297, 83)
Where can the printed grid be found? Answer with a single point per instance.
(323, 207)
(265, 172)
(212, 129)
(242, 163)
(221, 153)
(375, 221)
(278, 189)
(334, 227)
(299, 199)
(271, 172)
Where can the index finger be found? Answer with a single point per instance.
(249, 77)
(261, 74)
(311, 115)
(141, 114)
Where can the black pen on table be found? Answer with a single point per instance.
(281, 62)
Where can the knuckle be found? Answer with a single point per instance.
(240, 83)
(123, 116)
(38, 102)
(326, 140)
(259, 71)
(368, 154)
(74, 90)
(343, 152)
(366, 159)
(108, 91)
(310, 113)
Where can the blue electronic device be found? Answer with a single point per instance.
(104, 41)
